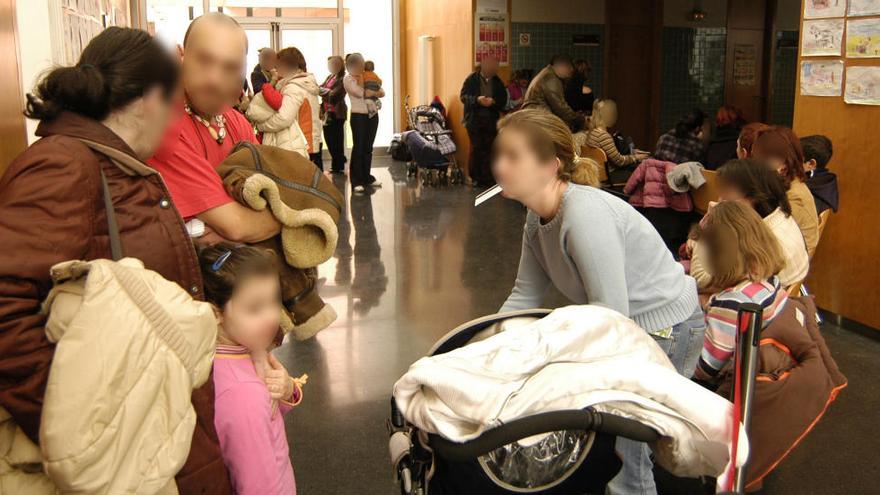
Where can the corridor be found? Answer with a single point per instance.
(413, 263)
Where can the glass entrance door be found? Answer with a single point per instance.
(316, 42)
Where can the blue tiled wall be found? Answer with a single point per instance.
(784, 80)
(551, 38)
(693, 72)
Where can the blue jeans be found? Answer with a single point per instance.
(683, 348)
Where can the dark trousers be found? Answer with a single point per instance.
(334, 136)
(316, 157)
(482, 133)
(363, 133)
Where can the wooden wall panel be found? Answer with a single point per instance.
(634, 34)
(451, 21)
(845, 273)
(13, 135)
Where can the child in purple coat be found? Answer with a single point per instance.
(252, 390)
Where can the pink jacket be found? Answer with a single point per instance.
(648, 188)
(251, 430)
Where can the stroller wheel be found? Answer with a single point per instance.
(412, 169)
(444, 178)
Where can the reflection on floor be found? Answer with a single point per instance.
(413, 263)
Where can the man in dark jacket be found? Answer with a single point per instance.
(547, 91)
(484, 97)
(821, 181)
(262, 73)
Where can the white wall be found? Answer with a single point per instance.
(561, 11)
(33, 23)
(676, 13)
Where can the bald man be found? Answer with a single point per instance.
(262, 73)
(205, 132)
(484, 97)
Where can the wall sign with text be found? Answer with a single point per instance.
(491, 37)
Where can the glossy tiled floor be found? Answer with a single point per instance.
(412, 264)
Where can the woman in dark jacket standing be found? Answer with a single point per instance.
(98, 119)
(334, 112)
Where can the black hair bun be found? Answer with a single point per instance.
(81, 88)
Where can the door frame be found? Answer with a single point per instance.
(276, 24)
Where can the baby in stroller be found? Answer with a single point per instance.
(532, 401)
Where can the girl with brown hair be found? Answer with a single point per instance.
(596, 249)
(781, 149)
(744, 258)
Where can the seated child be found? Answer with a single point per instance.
(252, 389)
(821, 181)
(744, 257)
(374, 83)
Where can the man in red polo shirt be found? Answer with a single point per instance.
(206, 130)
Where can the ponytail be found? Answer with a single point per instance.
(116, 67)
(549, 137)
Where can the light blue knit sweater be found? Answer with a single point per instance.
(599, 250)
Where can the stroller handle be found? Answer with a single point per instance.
(588, 420)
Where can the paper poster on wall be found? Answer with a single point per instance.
(823, 37)
(745, 68)
(864, 7)
(862, 85)
(821, 77)
(816, 9)
(863, 38)
(492, 38)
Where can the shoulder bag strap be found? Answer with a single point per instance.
(113, 227)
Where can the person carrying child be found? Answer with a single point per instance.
(252, 389)
(369, 80)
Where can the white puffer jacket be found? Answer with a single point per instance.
(130, 348)
(309, 86)
(295, 125)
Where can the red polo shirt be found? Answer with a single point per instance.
(188, 158)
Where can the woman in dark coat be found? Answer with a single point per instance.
(98, 119)
(334, 112)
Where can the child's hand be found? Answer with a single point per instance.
(278, 381)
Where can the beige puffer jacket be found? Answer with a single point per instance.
(282, 128)
(131, 347)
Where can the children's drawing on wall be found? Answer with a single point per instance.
(864, 7)
(821, 77)
(815, 9)
(863, 38)
(862, 85)
(822, 37)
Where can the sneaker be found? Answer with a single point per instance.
(359, 189)
(376, 185)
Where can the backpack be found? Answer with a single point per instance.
(398, 149)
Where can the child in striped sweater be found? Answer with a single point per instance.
(745, 258)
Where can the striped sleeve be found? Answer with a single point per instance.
(720, 338)
(604, 140)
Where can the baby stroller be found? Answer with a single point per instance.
(550, 453)
(431, 146)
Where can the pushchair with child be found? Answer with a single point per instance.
(431, 146)
(554, 451)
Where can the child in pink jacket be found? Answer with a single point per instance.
(252, 390)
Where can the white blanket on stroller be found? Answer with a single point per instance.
(575, 357)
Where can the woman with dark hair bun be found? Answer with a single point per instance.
(99, 120)
(686, 142)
